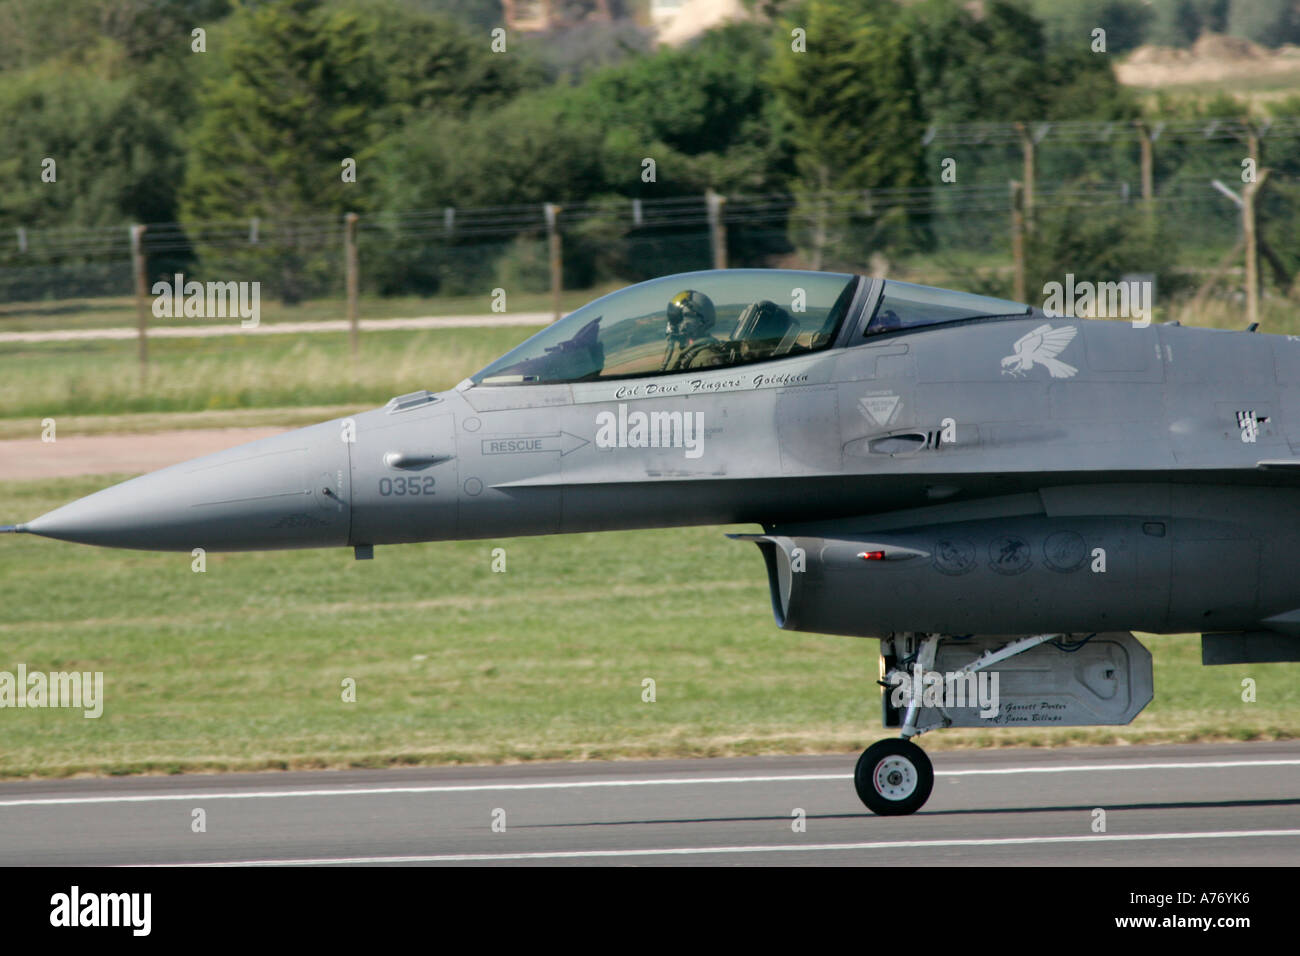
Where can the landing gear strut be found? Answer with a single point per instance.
(894, 777)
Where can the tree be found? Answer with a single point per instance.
(1107, 243)
(1266, 22)
(1175, 23)
(432, 64)
(300, 87)
(583, 48)
(527, 152)
(80, 148)
(114, 159)
(1070, 23)
(704, 113)
(706, 116)
(473, 13)
(34, 31)
(853, 108)
(1001, 66)
(1279, 206)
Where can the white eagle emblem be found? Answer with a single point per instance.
(1042, 345)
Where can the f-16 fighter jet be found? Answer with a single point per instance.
(998, 495)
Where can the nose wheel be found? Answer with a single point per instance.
(893, 777)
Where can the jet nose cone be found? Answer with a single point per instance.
(286, 491)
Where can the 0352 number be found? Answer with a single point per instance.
(406, 486)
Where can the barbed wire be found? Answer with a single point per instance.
(323, 231)
(1084, 131)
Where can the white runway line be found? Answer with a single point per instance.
(777, 848)
(1076, 768)
(626, 782)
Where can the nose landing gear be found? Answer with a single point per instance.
(894, 777)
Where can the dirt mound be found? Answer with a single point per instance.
(1214, 58)
(1216, 46)
(1151, 55)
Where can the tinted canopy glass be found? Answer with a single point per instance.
(905, 306)
(680, 323)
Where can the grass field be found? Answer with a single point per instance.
(242, 667)
(102, 377)
(119, 311)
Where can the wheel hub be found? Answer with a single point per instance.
(895, 778)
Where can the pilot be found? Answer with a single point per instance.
(690, 345)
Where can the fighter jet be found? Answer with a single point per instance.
(998, 495)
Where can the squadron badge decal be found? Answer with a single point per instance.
(1041, 346)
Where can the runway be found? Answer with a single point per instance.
(1197, 805)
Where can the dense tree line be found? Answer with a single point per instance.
(261, 114)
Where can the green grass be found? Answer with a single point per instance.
(1276, 315)
(1253, 90)
(241, 667)
(119, 311)
(102, 377)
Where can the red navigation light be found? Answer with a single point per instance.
(871, 555)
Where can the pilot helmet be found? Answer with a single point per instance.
(690, 314)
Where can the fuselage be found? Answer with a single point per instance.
(875, 430)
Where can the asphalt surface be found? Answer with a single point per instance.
(1164, 805)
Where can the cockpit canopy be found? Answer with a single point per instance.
(734, 317)
(903, 305)
(719, 319)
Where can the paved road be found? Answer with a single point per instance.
(203, 329)
(30, 458)
(1165, 805)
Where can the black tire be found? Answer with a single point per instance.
(894, 777)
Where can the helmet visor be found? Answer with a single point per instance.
(682, 307)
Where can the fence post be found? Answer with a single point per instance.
(1148, 161)
(1251, 239)
(350, 265)
(141, 290)
(1027, 193)
(552, 212)
(1018, 240)
(717, 231)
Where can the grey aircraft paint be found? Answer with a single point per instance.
(922, 463)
